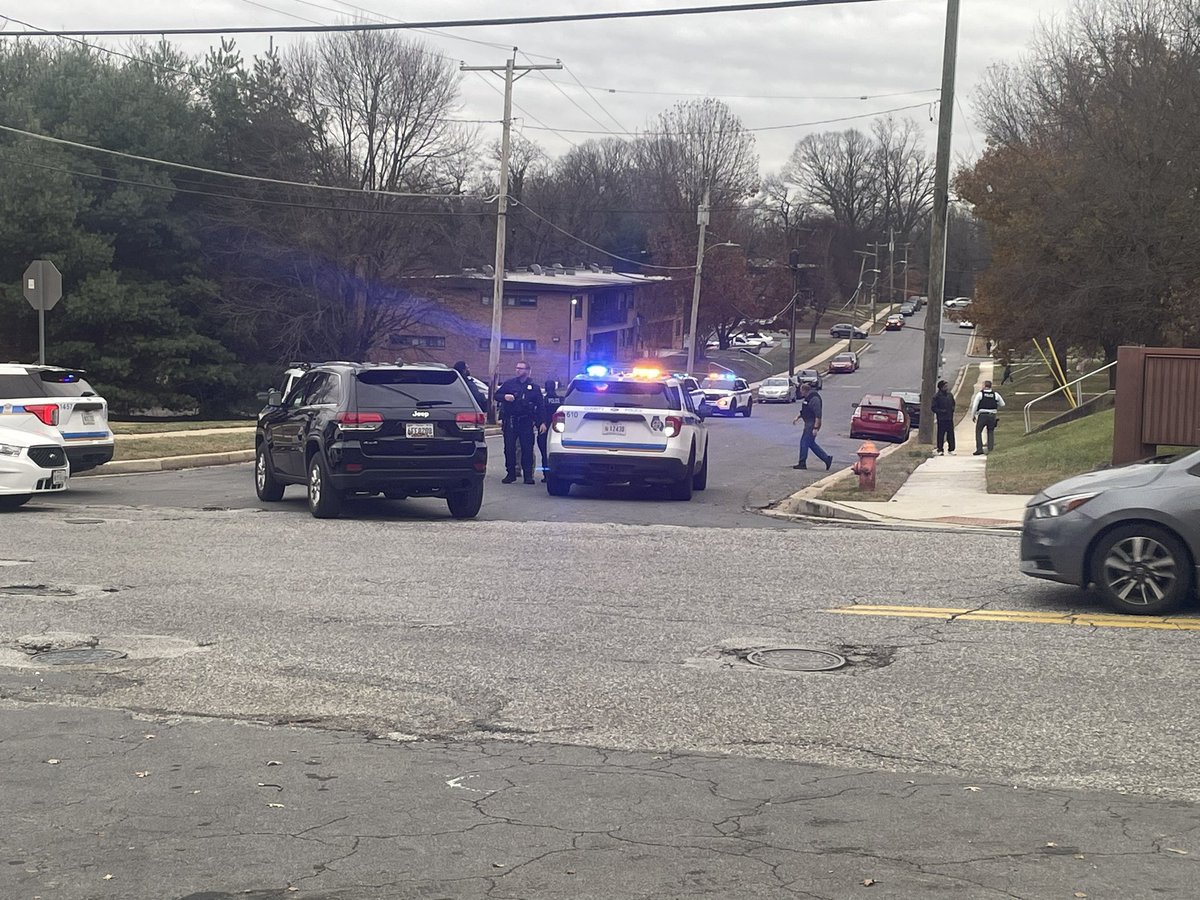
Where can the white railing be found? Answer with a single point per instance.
(1059, 390)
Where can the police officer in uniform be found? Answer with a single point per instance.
(985, 413)
(551, 403)
(521, 412)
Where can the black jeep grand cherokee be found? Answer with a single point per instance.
(350, 428)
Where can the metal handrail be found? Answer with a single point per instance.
(1060, 389)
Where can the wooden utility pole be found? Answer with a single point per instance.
(937, 237)
(510, 70)
(702, 221)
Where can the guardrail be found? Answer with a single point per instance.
(1059, 390)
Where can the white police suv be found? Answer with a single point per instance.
(640, 427)
(33, 460)
(727, 395)
(62, 399)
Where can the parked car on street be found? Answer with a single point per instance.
(965, 323)
(361, 428)
(1132, 532)
(879, 416)
(912, 405)
(957, 303)
(807, 376)
(895, 322)
(63, 399)
(33, 460)
(777, 389)
(844, 363)
(907, 309)
(846, 330)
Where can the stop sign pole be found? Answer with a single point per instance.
(43, 288)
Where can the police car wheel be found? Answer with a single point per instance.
(749, 409)
(733, 409)
(12, 501)
(682, 489)
(557, 487)
(700, 479)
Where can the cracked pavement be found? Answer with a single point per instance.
(559, 710)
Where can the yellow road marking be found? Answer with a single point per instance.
(1091, 620)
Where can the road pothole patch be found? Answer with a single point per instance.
(64, 648)
(41, 590)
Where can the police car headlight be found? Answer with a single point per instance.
(10, 450)
(1060, 506)
(723, 402)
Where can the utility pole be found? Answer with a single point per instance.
(794, 265)
(905, 245)
(937, 237)
(702, 221)
(510, 70)
(875, 248)
(891, 267)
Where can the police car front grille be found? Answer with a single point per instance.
(48, 457)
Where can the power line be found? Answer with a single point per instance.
(441, 23)
(218, 172)
(762, 96)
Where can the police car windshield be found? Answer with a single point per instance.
(717, 384)
(634, 394)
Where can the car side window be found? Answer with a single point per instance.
(740, 385)
(674, 397)
(325, 391)
(315, 389)
(299, 389)
(687, 400)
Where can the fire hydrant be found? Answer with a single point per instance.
(865, 467)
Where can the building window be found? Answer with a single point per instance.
(577, 304)
(521, 301)
(510, 344)
(431, 341)
(577, 351)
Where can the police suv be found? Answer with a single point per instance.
(727, 395)
(640, 427)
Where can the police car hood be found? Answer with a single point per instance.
(1136, 475)
(719, 392)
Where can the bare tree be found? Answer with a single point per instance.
(904, 175)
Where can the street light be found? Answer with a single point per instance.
(692, 340)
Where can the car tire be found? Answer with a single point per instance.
(682, 489)
(1141, 569)
(466, 504)
(557, 487)
(733, 409)
(324, 500)
(268, 489)
(749, 409)
(700, 479)
(9, 502)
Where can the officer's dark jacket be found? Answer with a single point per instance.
(528, 402)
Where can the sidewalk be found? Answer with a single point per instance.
(944, 492)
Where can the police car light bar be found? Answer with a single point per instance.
(597, 371)
(639, 372)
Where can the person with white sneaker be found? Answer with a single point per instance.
(985, 413)
(943, 411)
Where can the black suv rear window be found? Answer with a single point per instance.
(397, 388)
(46, 383)
(634, 394)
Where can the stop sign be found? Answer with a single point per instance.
(42, 284)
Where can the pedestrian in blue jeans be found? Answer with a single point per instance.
(810, 412)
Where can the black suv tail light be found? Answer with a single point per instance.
(470, 420)
(359, 421)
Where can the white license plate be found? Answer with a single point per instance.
(614, 428)
(879, 418)
(424, 430)
(58, 478)
(89, 418)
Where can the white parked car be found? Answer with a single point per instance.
(958, 303)
(777, 389)
(727, 395)
(61, 399)
(639, 428)
(33, 460)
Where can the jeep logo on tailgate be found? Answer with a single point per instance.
(421, 414)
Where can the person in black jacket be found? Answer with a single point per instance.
(943, 411)
(461, 368)
(521, 412)
(551, 402)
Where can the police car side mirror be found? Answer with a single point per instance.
(274, 397)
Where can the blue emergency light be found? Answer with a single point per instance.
(597, 371)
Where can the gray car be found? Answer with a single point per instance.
(1133, 532)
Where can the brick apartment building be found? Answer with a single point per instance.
(556, 318)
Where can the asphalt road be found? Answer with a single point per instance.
(751, 464)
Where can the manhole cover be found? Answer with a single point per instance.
(36, 590)
(77, 656)
(796, 659)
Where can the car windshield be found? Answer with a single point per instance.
(633, 394)
(717, 384)
(843, 357)
(808, 373)
(391, 388)
(775, 382)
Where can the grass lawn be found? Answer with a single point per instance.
(153, 448)
(154, 427)
(1024, 464)
(1031, 380)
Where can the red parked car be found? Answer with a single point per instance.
(844, 362)
(880, 416)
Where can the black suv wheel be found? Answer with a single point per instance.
(466, 504)
(324, 500)
(265, 485)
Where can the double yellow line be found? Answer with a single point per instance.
(974, 614)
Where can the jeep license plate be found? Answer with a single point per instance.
(614, 428)
(422, 430)
(58, 478)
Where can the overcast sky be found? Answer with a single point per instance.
(773, 68)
